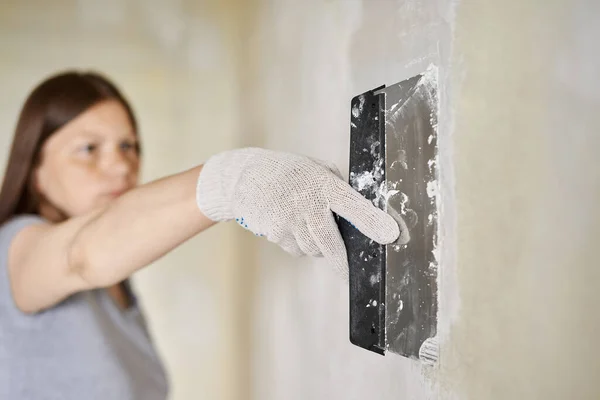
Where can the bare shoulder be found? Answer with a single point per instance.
(27, 237)
(40, 260)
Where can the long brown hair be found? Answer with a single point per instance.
(51, 105)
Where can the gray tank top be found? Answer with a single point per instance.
(86, 347)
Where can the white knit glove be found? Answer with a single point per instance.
(289, 199)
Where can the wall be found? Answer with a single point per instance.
(176, 61)
(314, 57)
(520, 188)
(520, 181)
(527, 190)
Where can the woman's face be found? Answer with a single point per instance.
(89, 161)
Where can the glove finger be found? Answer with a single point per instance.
(404, 234)
(329, 240)
(370, 220)
(306, 242)
(289, 244)
(329, 165)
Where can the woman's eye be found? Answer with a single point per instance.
(127, 146)
(89, 148)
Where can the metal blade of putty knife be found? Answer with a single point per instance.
(393, 163)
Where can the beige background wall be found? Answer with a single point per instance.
(236, 318)
(176, 61)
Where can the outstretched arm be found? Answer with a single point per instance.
(287, 198)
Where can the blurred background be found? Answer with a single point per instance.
(179, 63)
(233, 316)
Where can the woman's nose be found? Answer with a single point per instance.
(118, 163)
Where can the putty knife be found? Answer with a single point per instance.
(393, 162)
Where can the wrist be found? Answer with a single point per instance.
(217, 182)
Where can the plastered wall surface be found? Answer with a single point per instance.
(314, 57)
(527, 191)
(520, 187)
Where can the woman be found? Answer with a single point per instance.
(75, 227)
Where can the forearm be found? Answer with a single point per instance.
(138, 228)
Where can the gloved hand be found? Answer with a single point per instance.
(289, 199)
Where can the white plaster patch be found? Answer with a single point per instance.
(432, 188)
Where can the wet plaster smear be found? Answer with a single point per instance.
(515, 292)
